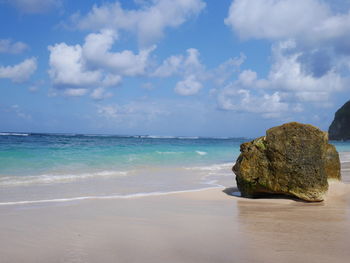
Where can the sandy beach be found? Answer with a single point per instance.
(202, 226)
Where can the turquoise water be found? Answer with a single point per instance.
(36, 167)
(33, 154)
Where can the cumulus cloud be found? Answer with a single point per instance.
(179, 64)
(287, 73)
(148, 22)
(276, 19)
(11, 47)
(309, 52)
(93, 64)
(67, 67)
(20, 72)
(97, 54)
(287, 86)
(189, 86)
(34, 6)
(284, 19)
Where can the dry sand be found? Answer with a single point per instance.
(206, 226)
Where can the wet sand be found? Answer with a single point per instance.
(206, 226)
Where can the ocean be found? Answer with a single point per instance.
(48, 168)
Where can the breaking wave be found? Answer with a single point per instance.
(55, 178)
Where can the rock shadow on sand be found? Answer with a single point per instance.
(234, 191)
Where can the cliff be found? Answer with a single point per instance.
(340, 127)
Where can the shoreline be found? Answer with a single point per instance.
(191, 226)
(212, 185)
(108, 197)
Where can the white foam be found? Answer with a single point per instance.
(51, 178)
(13, 134)
(214, 167)
(104, 197)
(157, 137)
(201, 153)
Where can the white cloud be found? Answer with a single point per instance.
(20, 72)
(110, 80)
(67, 67)
(169, 67)
(180, 65)
(284, 19)
(242, 100)
(100, 94)
(188, 67)
(247, 77)
(75, 92)
(309, 52)
(11, 47)
(96, 52)
(35, 6)
(287, 74)
(276, 19)
(284, 90)
(189, 86)
(93, 64)
(148, 22)
(193, 72)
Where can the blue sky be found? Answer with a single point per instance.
(172, 67)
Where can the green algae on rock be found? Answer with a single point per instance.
(293, 159)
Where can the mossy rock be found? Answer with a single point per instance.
(293, 159)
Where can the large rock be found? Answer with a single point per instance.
(293, 159)
(340, 127)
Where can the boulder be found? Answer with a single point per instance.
(292, 159)
(340, 127)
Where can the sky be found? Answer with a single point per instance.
(172, 67)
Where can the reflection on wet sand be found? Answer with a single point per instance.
(292, 231)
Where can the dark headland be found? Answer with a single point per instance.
(340, 127)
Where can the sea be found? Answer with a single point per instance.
(43, 169)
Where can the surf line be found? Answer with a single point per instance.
(106, 197)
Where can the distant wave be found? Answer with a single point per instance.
(51, 179)
(201, 153)
(159, 152)
(105, 197)
(155, 137)
(13, 134)
(120, 136)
